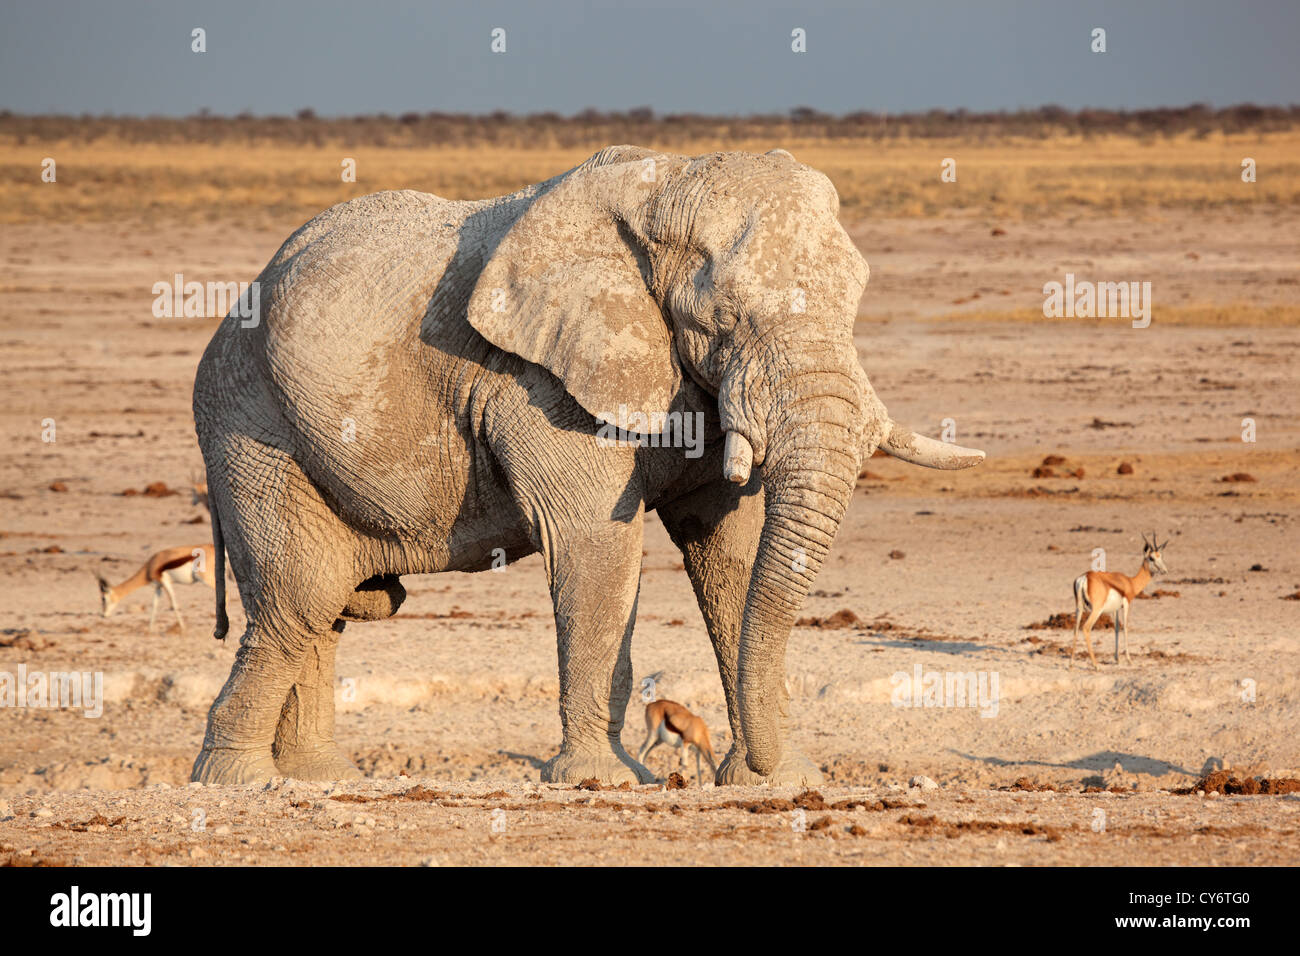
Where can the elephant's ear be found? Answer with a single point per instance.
(568, 289)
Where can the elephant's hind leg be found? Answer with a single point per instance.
(295, 564)
(304, 745)
(304, 738)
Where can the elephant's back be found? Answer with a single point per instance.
(344, 297)
(340, 355)
(359, 268)
(342, 303)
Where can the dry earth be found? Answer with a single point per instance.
(938, 571)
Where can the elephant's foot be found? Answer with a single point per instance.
(325, 762)
(794, 770)
(226, 765)
(612, 766)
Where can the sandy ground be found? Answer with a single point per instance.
(942, 572)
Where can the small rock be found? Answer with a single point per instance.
(58, 486)
(222, 830)
(43, 812)
(923, 782)
(429, 861)
(198, 853)
(1124, 468)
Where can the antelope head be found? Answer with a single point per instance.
(1153, 554)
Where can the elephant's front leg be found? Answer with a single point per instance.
(304, 738)
(595, 577)
(717, 528)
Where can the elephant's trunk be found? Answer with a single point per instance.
(810, 465)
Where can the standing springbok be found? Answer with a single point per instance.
(1109, 592)
(183, 565)
(668, 722)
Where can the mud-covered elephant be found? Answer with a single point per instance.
(432, 384)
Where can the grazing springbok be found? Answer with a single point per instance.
(184, 565)
(668, 722)
(1109, 592)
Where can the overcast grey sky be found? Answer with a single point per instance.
(725, 56)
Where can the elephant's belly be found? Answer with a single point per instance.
(443, 509)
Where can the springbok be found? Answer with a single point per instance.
(184, 565)
(668, 722)
(1109, 592)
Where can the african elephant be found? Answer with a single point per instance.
(430, 383)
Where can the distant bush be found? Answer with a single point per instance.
(642, 124)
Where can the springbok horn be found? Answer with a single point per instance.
(737, 458)
(901, 442)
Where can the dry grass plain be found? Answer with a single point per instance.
(454, 704)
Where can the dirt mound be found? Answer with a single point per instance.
(1222, 781)
(840, 620)
(1064, 621)
(155, 489)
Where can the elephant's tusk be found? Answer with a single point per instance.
(737, 458)
(902, 442)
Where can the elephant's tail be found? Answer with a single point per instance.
(219, 559)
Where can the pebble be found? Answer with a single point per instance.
(923, 782)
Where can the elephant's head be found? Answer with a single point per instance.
(639, 271)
